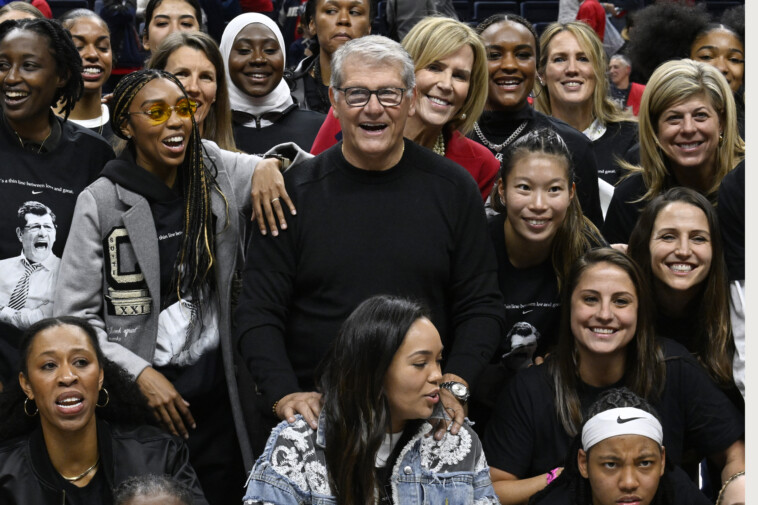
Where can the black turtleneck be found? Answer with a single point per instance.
(496, 126)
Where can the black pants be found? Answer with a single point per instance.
(214, 450)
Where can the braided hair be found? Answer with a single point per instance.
(502, 17)
(194, 264)
(68, 63)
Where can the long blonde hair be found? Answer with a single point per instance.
(675, 82)
(433, 38)
(603, 107)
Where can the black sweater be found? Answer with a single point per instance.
(293, 125)
(498, 126)
(416, 230)
(615, 143)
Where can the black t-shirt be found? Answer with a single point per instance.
(531, 301)
(53, 178)
(620, 96)
(293, 125)
(615, 143)
(731, 211)
(684, 490)
(525, 437)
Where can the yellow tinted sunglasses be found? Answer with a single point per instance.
(159, 113)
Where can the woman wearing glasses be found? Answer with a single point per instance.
(151, 266)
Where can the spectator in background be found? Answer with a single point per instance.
(92, 39)
(625, 93)
(163, 17)
(592, 13)
(402, 15)
(331, 23)
(22, 10)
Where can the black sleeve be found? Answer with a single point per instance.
(623, 211)
(509, 437)
(731, 211)
(476, 302)
(685, 491)
(587, 189)
(178, 467)
(712, 422)
(267, 286)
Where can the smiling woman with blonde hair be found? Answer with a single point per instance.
(688, 137)
(573, 87)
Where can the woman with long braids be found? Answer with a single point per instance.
(47, 162)
(380, 384)
(152, 267)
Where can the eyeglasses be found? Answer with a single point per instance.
(159, 113)
(358, 97)
(37, 227)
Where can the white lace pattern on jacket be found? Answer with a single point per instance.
(299, 462)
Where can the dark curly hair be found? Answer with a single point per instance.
(580, 491)
(734, 19)
(68, 63)
(126, 405)
(663, 32)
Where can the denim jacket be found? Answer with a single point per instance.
(292, 469)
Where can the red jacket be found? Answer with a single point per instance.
(635, 97)
(592, 13)
(474, 157)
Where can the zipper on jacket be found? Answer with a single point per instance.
(63, 502)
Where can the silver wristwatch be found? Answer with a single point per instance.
(459, 390)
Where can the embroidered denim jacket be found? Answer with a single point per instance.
(292, 469)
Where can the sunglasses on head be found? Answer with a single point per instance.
(159, 113)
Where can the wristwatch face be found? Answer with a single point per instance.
(459, 389)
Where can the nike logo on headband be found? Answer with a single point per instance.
(622, 421)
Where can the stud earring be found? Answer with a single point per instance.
(463, 116)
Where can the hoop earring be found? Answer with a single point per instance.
(107, 398)
(26, 408)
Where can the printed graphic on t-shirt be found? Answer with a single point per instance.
(27, 278)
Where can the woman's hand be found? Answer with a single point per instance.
(267, 194)
(307, 405)
(169, 406)
(453, 408)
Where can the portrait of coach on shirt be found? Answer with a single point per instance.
(27, 281)
(376, 214)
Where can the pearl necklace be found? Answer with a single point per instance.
(439, 145)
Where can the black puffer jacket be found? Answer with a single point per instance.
(28, 477)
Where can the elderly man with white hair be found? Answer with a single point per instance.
(376, 214)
